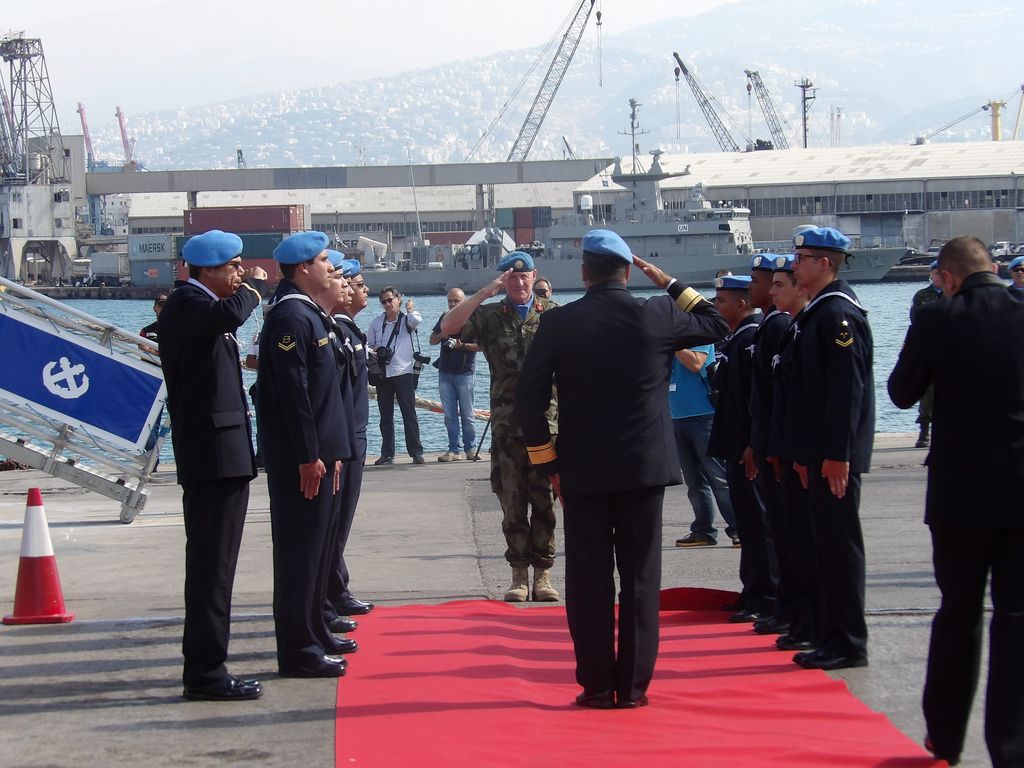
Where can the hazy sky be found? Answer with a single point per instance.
(147, 55)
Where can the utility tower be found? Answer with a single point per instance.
(808, 93)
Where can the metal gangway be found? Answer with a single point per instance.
(80, 399)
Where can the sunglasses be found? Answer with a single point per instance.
(1017, 269)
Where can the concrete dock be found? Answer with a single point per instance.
(106, 688)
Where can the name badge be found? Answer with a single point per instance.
(322, 342)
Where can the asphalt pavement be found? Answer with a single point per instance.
(106, 688)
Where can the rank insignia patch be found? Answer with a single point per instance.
(287, 343)
(844, 339)
(322, 342)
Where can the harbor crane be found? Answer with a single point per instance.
(125, 143)
(764, 99)
(552, 80)
(240, 159)
(722, 135)
(90, 158)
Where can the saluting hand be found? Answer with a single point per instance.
(655, 274)
(496, 286)
(309, 478)
(256, 273)
(837, 473)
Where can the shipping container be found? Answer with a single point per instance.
(154, 273)
(260, 246)
(523, 217)
(151, 248)
(542, 216)
(504, 218)
(241, 219)
(272, 268)
(109, 263)
(524, 235)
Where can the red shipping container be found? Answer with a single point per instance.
(523, 217)
(272, 267)
(246, 219)
(524, 235)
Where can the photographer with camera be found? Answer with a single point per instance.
(390, 341)
(456, 368)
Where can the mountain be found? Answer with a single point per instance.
(898, 69)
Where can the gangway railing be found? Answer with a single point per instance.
(80, 398)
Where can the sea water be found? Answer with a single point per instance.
(888, 307)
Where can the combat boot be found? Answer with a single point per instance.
(520, 588)
(543, 591)
(922, 437)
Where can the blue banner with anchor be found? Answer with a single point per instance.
(78, 381)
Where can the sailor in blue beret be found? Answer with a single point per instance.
(517, 261)
(783, 263)
(301, 247)
(211, 249)
(732, 283)
(604, 242)
(822, 239)
(337, 260)
(351, 268)
(1013, 264)
(1017, 275)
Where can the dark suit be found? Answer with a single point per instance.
(212, 441)
(611, 355)
(303, 417)
(969, 348)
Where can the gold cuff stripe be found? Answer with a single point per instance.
(542, 454)
(689, 299)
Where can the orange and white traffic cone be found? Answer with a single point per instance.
(37, 598)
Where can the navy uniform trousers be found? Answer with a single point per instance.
(801, 558)
(759, 572)
(775, 516)
(602, 531)
(214, 513)
(840, 546)
(351, 487)
(305, 541)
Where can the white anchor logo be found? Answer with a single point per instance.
(67, 374)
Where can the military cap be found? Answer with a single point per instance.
(933, 265)
(733, 282)
(1016, 262)
(301, 247)
(822, 239)
(336, 258)
(351, 268)
(211, 249)
(783, 263)
(517, 261)
(765, 261)
(604, 242)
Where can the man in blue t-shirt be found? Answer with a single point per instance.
(456, 368)
(689, 402)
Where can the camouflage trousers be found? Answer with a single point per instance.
(530, 539)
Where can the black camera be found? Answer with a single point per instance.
(421, 359)
(384, 355)
(450, 343)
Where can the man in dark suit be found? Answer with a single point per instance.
(307, 435)
(610, 356)
(212, 441)
(973, 507)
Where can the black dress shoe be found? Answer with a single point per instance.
(632, 703)
(599, 700)
(938, 754)
(790, 643)
(341, 646)
(228, 688)
(383, 460)
(341, 625)
(327, 666)
(737, 606)
(771, 626)
(827, 660)
(744, 616)
(352, 607)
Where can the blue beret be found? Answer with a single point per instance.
(764, 261)
(1015, 263)
(784, 262)
(211, 249)
(350, 268)
(732, 282)
(301, 247)
(337, 259)
(933, 265)
(822, 238)
(517, 261)
(604, 242)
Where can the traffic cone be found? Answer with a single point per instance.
(37, 598)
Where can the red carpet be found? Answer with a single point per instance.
(481, 683)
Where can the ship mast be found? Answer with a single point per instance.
(634, 131)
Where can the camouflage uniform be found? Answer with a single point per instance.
(504, 339)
